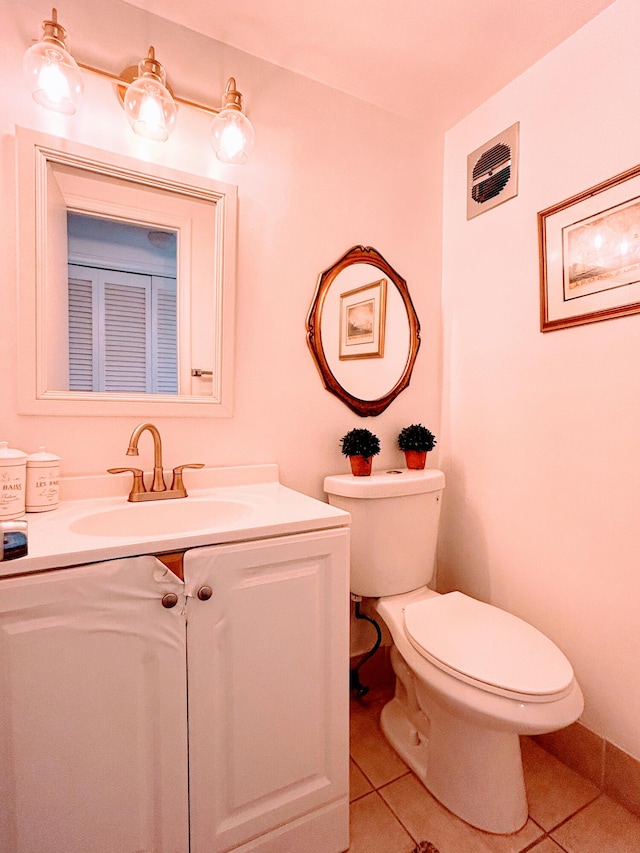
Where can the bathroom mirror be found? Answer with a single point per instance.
(363, 331)
(126, 284)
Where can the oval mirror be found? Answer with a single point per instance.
(363, 331)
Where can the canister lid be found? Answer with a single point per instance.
(10, 455)
(42, 458)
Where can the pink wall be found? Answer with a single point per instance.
(328, 172)
(540, 434)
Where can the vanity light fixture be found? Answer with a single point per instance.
(232, 133)
(52, 73)
(151, 107)
(147, 102)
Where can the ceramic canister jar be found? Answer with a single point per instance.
(13, 464)
(43, 473)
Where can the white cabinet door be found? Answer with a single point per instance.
(93, 747)
(268, 681)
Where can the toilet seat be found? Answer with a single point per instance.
(489, 648)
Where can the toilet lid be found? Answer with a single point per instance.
(486, 644)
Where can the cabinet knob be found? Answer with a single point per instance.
(170, 599)
(205, 593)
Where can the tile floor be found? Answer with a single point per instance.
(391, 811)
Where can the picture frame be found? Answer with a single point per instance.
(590, 254)
(362, 321)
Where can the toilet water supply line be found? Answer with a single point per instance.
(354, 678)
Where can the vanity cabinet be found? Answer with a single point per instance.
(142, 712)
(267, 664)
(93, 711)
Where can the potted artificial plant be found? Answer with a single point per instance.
(360, 445)
(416, 441)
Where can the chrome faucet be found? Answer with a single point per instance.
(158, 489)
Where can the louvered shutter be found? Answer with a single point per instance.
(127, 332)
(164, 335)
(81, 351)
(122, 332)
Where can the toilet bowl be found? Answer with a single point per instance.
(470, 678)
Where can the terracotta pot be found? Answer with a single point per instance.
(361, 465)
(416, 459)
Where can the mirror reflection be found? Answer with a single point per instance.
(122, 307)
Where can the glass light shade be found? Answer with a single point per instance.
(233, 136)
(148, 103)
(53, 76)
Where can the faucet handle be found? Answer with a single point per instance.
(177, 483)
(138, 486)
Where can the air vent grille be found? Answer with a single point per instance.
(492, 172)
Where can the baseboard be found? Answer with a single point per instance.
(614, 771)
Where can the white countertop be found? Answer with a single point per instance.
(268, 509)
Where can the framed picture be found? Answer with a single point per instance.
(590, 254)
(362, 321)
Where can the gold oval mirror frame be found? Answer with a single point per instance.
(379, 296)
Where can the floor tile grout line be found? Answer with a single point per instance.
(576, 812)
(395, 816)
(375, 787)
(545, 837)
(376, 790)
(390, 807)
(547, 832)
(361, 796)
(534, 844)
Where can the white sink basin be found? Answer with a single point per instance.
(95, 522)
(153, 518)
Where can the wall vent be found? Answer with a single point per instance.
(492, 172)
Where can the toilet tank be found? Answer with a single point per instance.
(394, 527)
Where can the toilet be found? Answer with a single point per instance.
(470, 678)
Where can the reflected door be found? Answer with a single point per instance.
(122, 332)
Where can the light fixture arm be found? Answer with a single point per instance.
(151, 65)
(231, 99)
(53, 31)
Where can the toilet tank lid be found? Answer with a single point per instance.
(385, 484)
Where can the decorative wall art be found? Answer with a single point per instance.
(590, 254)
(362, 321)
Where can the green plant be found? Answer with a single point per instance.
(360, 442)
(416, 437)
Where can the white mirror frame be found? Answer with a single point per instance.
(37, 155)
